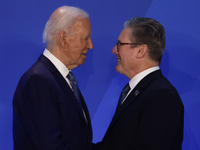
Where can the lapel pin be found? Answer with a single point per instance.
(136, 92)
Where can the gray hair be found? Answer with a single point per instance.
(150, 32)
(62, 19)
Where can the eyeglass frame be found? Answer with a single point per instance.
(119, 44)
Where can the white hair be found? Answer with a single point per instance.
(62, 19)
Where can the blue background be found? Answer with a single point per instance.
(21, 27)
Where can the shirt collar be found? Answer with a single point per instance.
(57, 63)
(136, 79)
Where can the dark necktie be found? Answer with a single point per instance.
(123, 94)
(74, 85)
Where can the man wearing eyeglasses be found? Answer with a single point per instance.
(149, 115)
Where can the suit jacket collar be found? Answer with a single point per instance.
(133, 95)
(64, 86)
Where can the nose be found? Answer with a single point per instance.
(90, 45)
(114, 50)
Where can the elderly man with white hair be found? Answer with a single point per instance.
(49, 111)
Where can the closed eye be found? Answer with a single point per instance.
(87, 37)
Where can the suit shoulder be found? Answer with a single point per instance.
(161, 89)
(37, 71)
(161, 83)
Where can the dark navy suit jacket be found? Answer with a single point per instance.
(46, 114)
(151, 118)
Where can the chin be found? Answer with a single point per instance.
(119, 69)
(82, 62)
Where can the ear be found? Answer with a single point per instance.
(63, 38)
(142, 51)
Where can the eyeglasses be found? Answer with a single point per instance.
(119, 44)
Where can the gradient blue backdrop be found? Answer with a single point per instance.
(21, 26)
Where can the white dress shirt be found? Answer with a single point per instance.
(58, 64)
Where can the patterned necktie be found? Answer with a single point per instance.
(74, 85)
(124, 92)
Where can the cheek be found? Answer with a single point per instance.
(123, 57)
(127, 57)
(80, 47)
(125, 63)
(79, 54)
(78, 50)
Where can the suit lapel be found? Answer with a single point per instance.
(86, 111)
(133, 95)
(62, 82)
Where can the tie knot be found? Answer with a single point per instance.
(71, 77)
(126, 88)
(124, 92)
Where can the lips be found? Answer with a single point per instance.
(84, 55)
(85, 52)
(118, 59)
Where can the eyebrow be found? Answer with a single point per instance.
(88, 35)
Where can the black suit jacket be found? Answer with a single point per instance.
(46, 114)
(151, 118)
